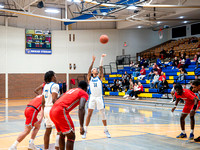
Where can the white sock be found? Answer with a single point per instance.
(86, 127)
(57, 141)
(16, 143)
(105, 128)
(183, 131)
(31, 141)
(192, 131)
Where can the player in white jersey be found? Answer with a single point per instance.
(96, 95)
(49, 97)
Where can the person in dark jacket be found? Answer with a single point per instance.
(175, 62)
(187, 62)
(163, 86)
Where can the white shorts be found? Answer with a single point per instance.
(47, 119)
(96, 102)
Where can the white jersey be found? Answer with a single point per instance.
(95, 87)
(50, 88)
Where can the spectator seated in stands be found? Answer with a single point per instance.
(195, 58)
(160, 79)
(198, 60)
(141, 62)
(173, 93)
(193, 40)
(159, 71)
(169, 63)
(132, 65)
(105, 88)
(155, 80)
(187, 62)
(113, 86)
(119, 85)
(181, 62)
(152, 72)
(130, 89)
(146, 62)
(136, 72)
(125, 75)
(139, 89)
(142, 73)
(158, 62)
(163, 86)
(175, 63)
(163, 54)
(182, 75)
(125, 85)
(171, 53)
(60, 87)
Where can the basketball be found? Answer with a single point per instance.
(104, 39)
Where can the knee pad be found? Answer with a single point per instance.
(103, 114)
(57, 141)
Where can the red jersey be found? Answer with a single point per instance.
(36, 102)
(140, 88)
(160, 78)
(71, 98)
(187, 96)
(143, 72)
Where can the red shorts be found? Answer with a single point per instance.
(31, 116)
(188, 107)
(61, 119)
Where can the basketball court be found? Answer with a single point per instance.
(132, 126)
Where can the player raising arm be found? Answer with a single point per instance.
(96, 94)
(191, 105)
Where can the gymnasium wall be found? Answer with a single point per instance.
(28, 69)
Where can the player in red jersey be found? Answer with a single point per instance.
(196, 89)
(191, 105)
(59, 114)
(31, 112)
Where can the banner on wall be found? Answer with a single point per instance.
(38, 42)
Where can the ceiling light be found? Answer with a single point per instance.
(139, 27)
(185, 21)
(51, 10)
(109, 5)
(76, 1)
(132, 7)
(88, 1)
(159, 22)
(104, 13)
(181, 17)
(1, 6)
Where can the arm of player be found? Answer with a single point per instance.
(90, 68)
(81, 114)
(101, 67)
(41, 116)
(38, 89)
(55, 90)
(176, 103)
(43, 102)
(196, 101)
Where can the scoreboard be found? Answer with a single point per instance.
(38, 42)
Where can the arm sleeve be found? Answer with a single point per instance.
(83, 94)
(55, 88)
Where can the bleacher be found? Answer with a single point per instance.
(171, 77)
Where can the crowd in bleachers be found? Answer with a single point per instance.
(157, 77)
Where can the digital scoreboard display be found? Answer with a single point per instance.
(38, 42)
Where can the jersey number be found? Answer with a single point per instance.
(71, 91)
(95, 84)
(46, 94)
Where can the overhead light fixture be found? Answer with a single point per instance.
(1, 6)
(159, 22)
(104, 13)
(51, 10)
(181, 17)
(88, 1)
(131, 7)
(185, 21)
(76, 1)
(139, 27)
